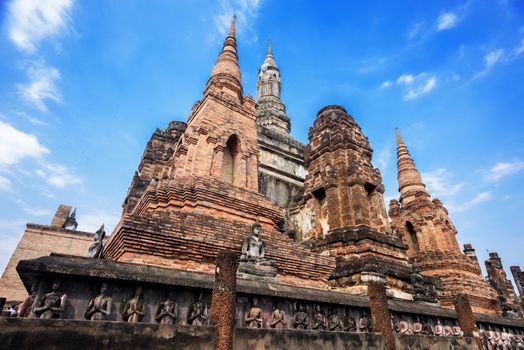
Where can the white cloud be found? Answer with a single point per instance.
(245, 11)
(416, 85)
(424, 88)
(520, 48)
(415, 30)
(386, 84)
(58, 175)
(16, 145)
(438, 183)
(446, 20)
(502, 169)
(41, 85)
(30, 22)
(38, 212)
(91, 221)
(479, 198)
(382, 159)
(5, 184)
(490, 59)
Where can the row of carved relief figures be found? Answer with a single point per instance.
(52, 304)
(496, 338)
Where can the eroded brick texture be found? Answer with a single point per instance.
(342, 211)
(42, 240)
(500, 282)
(427, 230)
(198, 190)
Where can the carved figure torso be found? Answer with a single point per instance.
(51, 305)
(98, 308)
(350, 324)
(166, 312)
(278, 319)
(300, 320)
(254, 317)
(197, 316)
(133, 310)
(319, 321)
(335, 322)
(24, 310)
(364, 324)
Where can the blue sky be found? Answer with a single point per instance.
(83, 84)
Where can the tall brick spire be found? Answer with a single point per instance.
(271, 112)
(410, 183)
(226, 76)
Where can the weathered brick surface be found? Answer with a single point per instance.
(37, 241)
(427, 230)
(60, 216)
(465, 317)
(500, 282)
(380, 316)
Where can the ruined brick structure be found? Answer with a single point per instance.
(342, 212)
(499, 281)
(427, 230)
(42, 240)
(205, 187)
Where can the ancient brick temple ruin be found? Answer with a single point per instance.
(235, 235)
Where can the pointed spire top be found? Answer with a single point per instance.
(270, 48)
(232, 28)
(410, 183)
(226, 72)
(399, 138)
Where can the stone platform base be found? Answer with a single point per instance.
(253, 271)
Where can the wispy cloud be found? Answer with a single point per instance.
(415, 30)
(5, 184)
(38, 212)
(92, 220)
(439, 184)
(29, 22)
(503, 169)
(58, 175)
(382, 158)
(520, 48)
(490, 59)
(41, 85)
(479, 198)
(245, 11)
(414, 85)
(16, 145)
(446, 20)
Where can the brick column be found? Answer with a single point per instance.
(378, 303)
(223, 300)
(465, 318)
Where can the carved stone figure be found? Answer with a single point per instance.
(319, 320)
(300, 318)
(448, 331)
(253, 318)
(53, 303)
(417, 326)
(457, 331)
(364, 323)
(198, 312)
(437, 329)
(70, 222)
(253, 261)
(403, 327)
(26, 307)
(95, 249)
(426, 327)
(100, 306)
(277, 319)
(134, 307)
(334, 321)
(166, 311)
(349, 323)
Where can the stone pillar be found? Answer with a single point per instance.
(61, 215)
(466, 319)
(223, 300)
(380, 316)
